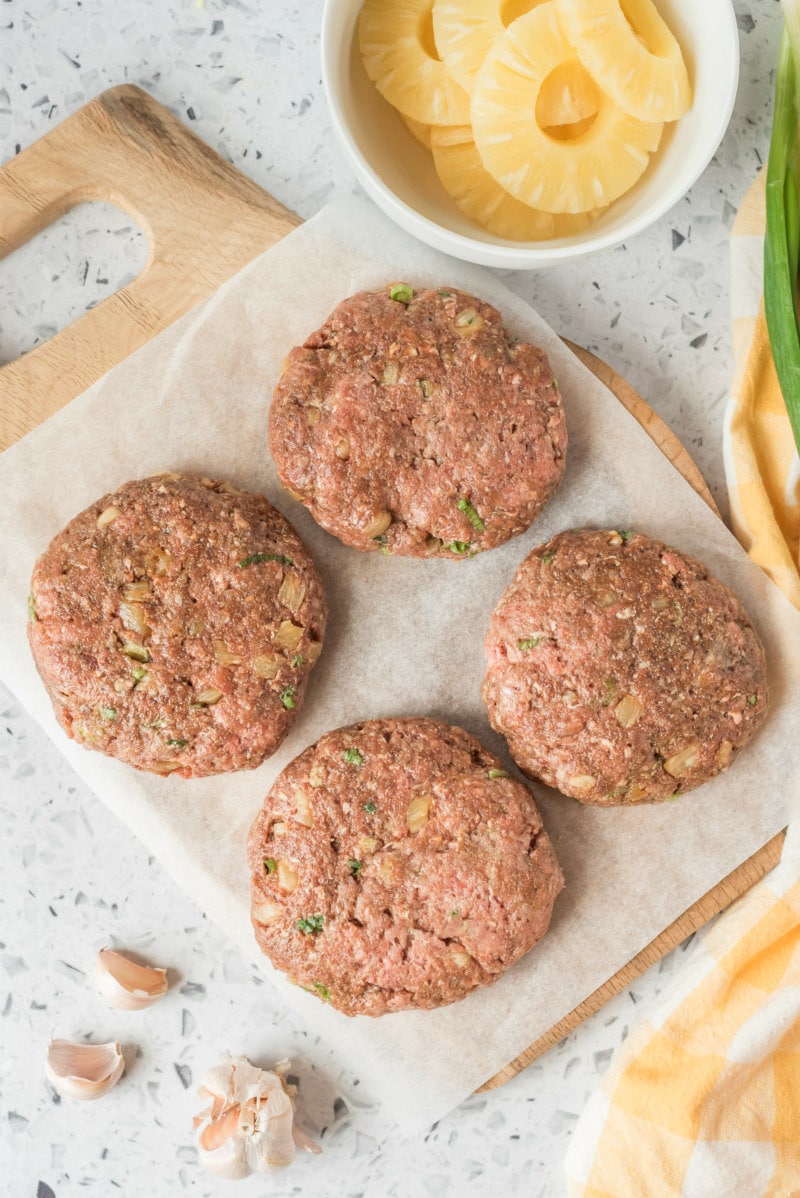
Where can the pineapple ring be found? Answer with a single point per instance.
(401, 59)
(572, 130)
(421, 132)
(540, 170)
(466, 30)
(627, 47)
(569, 95)
(465, 179)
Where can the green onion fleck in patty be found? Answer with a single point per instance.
(469, 511)
(255, 558)
(402, 293)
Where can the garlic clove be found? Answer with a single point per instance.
(127, 985)
(222, 1150)
(217, 1133)
(85, 1071)
(248, 1128)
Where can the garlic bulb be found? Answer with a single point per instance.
(127, 985)
(86, 1071)
(248, 1127)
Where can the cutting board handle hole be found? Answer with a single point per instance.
(69, 267)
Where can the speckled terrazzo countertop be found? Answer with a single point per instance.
(246, 76)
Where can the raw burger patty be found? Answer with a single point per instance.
(620, 671)
(418, 428)
(175, 623)
(395, 864)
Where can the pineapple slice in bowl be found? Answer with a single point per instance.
(465, 31)
(568, 96)
(629, 45)
(573, 175)
(400, 57)
(465, 178)
(416, 128)
(399, 174)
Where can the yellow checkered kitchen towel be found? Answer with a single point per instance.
(703, 1100)
(761, 462)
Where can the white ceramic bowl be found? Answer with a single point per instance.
(398, 173)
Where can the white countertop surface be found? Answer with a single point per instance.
(245, 75)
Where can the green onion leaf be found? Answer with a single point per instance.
(370, 807)
(782, 240)
(311, 925)
(353, 757)
(270, 865)
(498, 774)
(108, 713)
(459, 546)
(355, 867)
(529, 642)
(752, 700)
(402, 293)
(255, 558)
(287, 697)
(626, 534)
(547, 558)
(323, 991)
(297, 660)
(176, 743)
(32, 607)
(466, 507)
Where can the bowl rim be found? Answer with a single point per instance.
(335, 46)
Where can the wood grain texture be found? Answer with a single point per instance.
(714, 901)
(204, 221)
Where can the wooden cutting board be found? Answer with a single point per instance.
(204, 221)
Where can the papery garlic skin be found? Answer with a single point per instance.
(84, 1071)
(127, 985)
(248, 1127)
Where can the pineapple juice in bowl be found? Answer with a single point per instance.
(399, 174)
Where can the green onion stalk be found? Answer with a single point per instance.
(782, 241)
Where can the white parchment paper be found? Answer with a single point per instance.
(405, 638)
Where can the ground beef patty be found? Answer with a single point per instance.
(620, 671)
(417, 427)
(395, 864)
(175, 623)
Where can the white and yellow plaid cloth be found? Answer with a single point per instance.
(760, 458)
(703, 1100)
